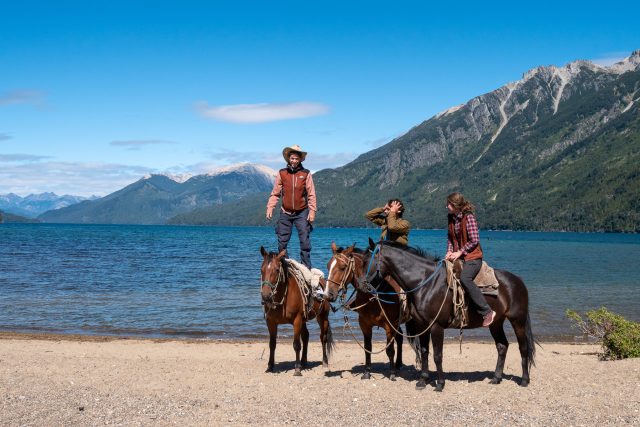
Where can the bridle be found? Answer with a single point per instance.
(274, 286)
(350, 269)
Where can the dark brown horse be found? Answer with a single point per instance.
(284, 303)
(344, 267)
(431, 304)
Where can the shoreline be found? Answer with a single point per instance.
(59, 336)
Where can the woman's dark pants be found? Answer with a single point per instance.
(469, 272)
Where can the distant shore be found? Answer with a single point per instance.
(49, 379)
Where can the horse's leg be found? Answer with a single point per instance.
(273, 334)
(399, 340)
(367, 332)
(297, 330)
(524, 344)
(437, 335)
(325, 337)
(391, 351)
(502, 345)
(305, 344)
(424, 357)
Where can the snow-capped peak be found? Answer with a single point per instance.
(244, 168)
(630, 63)
(179, 178)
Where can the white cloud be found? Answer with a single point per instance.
(261, 113)
(11, 158)
(23, 96)
(79, 179)
(4, 136)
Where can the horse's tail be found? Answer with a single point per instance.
(331, 344)
(414, 342)
(531, 343)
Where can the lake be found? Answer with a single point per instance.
(203, 282)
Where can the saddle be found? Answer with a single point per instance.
(311, 282)
(485, 280)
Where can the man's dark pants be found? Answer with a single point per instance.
(283, 232)
(469, 272)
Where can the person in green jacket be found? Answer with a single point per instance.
(389, 217)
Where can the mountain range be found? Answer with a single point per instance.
(157, 197)
(558, 149)
(35, 204)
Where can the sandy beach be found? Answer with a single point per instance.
(73, 380)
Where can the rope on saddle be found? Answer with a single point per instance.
(460, 313)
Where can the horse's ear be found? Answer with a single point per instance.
(263, 252)
(282, 253)
(334, 248)
(372, 244)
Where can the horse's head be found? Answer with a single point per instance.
(372, 272)
(272, 274)
(341, 271)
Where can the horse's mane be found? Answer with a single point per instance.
(412, 250)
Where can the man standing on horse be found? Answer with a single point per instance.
(294, 186)
(389, 217)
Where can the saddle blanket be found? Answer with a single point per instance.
(485, 280)
(311, 277)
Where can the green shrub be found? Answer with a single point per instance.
(620, 338)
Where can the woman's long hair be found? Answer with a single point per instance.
(458, 201)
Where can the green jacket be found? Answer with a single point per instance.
(393, 228)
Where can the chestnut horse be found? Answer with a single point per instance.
(284, 304)
(344, 267)
(432, 306)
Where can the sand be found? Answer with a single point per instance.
(69, 380)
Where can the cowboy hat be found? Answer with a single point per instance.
(295, 148)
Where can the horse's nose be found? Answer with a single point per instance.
(266, 295)
(329, 295)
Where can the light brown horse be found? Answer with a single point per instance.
(284, 304)
(344, 267)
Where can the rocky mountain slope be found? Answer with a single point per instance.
(558, 149)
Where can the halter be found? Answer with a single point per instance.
(274, 286)
(350, 262)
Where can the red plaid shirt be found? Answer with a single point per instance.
(472, 233)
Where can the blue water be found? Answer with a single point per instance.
(164, 281)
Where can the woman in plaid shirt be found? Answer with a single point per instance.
(464, 242)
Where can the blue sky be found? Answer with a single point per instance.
(93, 95)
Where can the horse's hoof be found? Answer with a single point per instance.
(439, 387)
(297, 373)
(421, 384)
(366, 376)
(269, 369)
(392, 377)
(495, 381)
(524, 382)
(325, 365)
